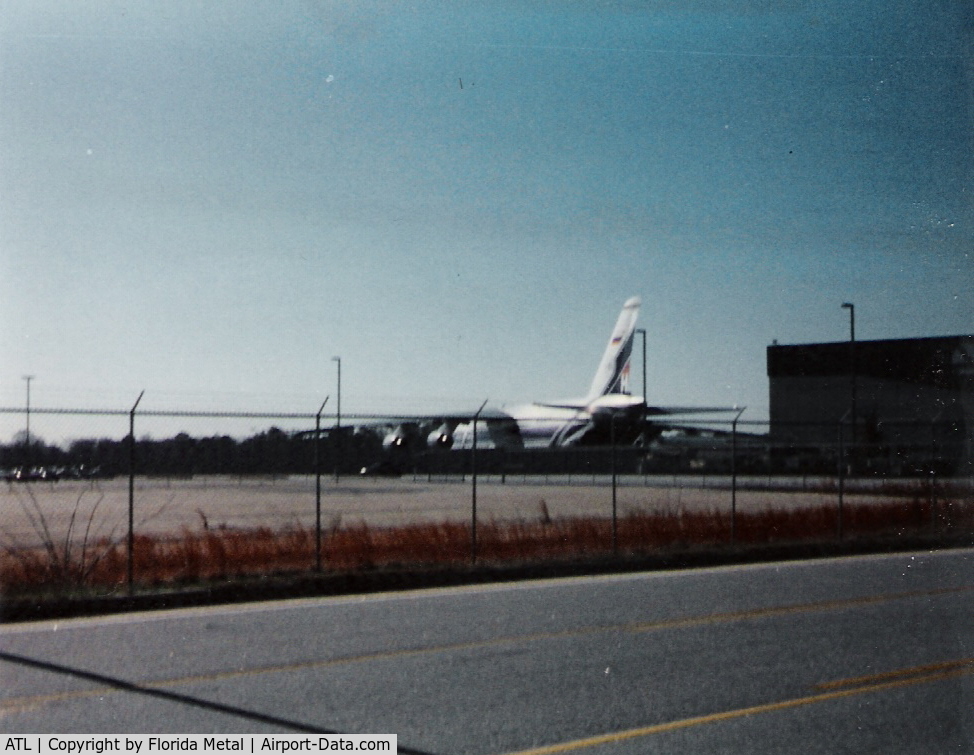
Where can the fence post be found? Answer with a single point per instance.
(615, 518)
(841, 471)
(473, 487)
(932, 472)
(318, 485)
(734, 476)
(131, 537)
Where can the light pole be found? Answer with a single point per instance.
(338, 424)
(852, 365)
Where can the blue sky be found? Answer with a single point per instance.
(209, 201)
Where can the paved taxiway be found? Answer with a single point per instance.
(868, 654)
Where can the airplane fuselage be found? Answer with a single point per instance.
(522, 426)
(527, 426)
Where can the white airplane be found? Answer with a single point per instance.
(608, 412)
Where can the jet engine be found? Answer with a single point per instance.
(395, 440)
(441, 438)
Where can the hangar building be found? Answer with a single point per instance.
(903, 405)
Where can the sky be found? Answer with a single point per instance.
(209, 201)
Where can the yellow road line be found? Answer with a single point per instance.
(860, 681)
(966, 667)
(31, 701)
(798, 608)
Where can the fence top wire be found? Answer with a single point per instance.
(162, 413)
(392, 418)
(389, 418)
(372, 417)
(214, 414)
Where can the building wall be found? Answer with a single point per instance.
(910, 394)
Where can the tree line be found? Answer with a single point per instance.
(271, 452)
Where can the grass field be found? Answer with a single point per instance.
(68, 535)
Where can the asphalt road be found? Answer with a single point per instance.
(868, 654)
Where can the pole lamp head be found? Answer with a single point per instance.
(852, 319)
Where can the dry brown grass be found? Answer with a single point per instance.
(225, 553)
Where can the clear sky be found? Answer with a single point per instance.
(209, 201)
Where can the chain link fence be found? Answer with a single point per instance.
(167, 477)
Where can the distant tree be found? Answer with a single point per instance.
(217, 455)
(37, 454)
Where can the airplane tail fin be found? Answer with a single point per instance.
(612, 375)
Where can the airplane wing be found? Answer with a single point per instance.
(669, 411)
